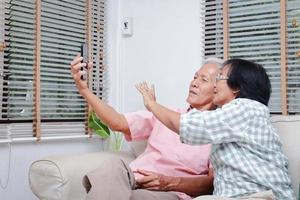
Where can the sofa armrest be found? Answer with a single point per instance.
(60, 177)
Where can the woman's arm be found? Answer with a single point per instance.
(193, 186)
(223, 125)
(168, 117)
(108, 115)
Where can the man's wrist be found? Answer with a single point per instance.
(84, 92)
(172, 183)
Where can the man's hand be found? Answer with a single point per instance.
(147, 93)
(76, 73)
(156, 181)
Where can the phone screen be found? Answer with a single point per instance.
(84, 54)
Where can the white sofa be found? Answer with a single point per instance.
(60, 177)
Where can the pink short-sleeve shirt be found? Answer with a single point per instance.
(165, 154)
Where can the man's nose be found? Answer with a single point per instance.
(194, 84)
(215, 85)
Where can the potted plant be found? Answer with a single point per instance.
(115, 139)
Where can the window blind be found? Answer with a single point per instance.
(18, 60)
(213, 38)
(254, 34)
(62, 32)
(99, 76)
(293, 55)
(63, 29)
(2, 30)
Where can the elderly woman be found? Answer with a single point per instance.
(246, 157)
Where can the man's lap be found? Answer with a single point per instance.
(103, 181)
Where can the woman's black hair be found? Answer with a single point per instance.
(250, 79)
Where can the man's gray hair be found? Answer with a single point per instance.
(214, 60)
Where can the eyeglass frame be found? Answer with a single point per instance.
(220, 77)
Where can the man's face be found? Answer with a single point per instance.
(201, 91)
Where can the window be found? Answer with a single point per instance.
(41, 38)
(256, 30)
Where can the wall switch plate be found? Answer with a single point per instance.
(127, 26)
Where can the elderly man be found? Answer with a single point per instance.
(167, 169)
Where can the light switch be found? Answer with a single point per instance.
(127, 26)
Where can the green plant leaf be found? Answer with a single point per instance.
(98, 126)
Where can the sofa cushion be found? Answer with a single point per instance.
(288, 129)
(59, 178)
(44, 187)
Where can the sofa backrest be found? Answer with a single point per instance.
(288, 128)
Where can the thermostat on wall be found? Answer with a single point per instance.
(127, 26)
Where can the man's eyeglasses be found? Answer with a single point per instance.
(221, 77)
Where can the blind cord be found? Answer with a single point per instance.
(4, 185)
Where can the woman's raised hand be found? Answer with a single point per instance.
(148, 94)
(76, 72)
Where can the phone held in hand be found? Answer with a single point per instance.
(84, 54)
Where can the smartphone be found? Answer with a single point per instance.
(84, 54)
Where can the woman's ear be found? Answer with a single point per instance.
(236, 92)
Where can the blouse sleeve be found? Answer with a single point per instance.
(224, 125)
(140, 125)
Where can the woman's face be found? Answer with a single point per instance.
(201, 91)
(223, 94)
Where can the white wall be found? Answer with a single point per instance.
(165, 49)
